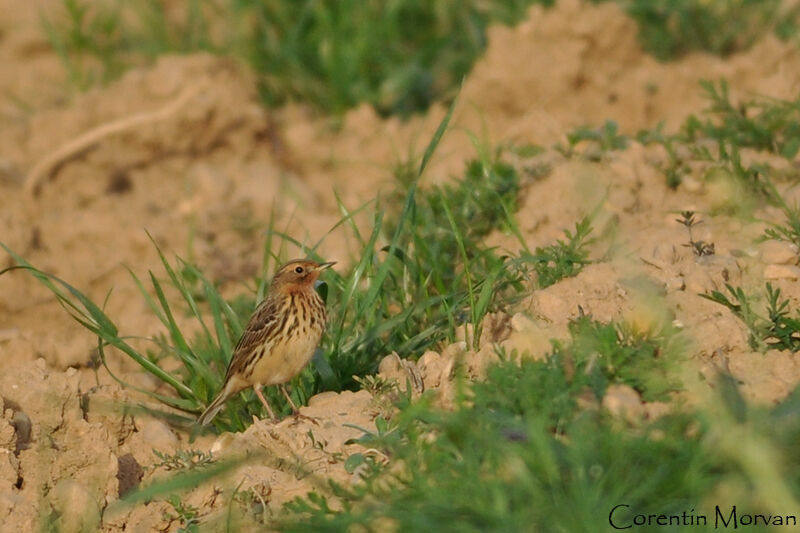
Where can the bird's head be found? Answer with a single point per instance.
(299, 274)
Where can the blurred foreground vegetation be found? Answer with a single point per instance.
(398, 56)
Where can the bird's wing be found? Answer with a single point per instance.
(260, 327)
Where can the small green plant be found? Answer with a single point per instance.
(565, 258)
(615, 353)
(375, 384)
(676, 168)
(740, 304)
(604, 139)
(699, 248)
(88, 44)
(480, 202)
(253, 501)
(182, 460)
(760, 123)
(186, 514)
(777, 330)
(788, 231)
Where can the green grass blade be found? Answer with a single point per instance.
(466, 263)
(147, 298)
(437, 136)
(326, 373)
(266, 256)
(223, 339)
(97, 322)
(172, 325)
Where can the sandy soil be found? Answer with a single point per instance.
(213, 166)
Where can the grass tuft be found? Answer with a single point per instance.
(182, 460)
(524, 435)
(777, 330)
(788, 231)
(564, 258)
(419, 276)
(717, 137)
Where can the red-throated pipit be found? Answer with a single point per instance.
(280, 338)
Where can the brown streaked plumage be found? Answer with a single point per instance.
(280, 337)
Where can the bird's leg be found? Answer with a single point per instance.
(257, 388)
(295, 410)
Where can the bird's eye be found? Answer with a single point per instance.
(299, 270)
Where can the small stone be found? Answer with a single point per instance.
(159, 435)
(224, 441)
(774, 252)
(129, 474)
(455, 350)
(403, 371)
(676, 283)
(520, 323)
(428, 358)
(533, 343)
(389, 365)
(782, 272)
(431, 365)
(623, 400)
(22, 427)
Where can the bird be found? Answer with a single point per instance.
(279, 339)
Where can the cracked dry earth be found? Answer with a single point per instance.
(213, 166)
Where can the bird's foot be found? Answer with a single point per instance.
(297, 415)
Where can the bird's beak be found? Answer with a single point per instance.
(323, 266)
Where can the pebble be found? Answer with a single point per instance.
(782, 272)
(676, 283)
(158, 434)
(431, 365)
(623, 400)
(520, 322)
(774, 252)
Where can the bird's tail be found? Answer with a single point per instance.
(213, 408)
